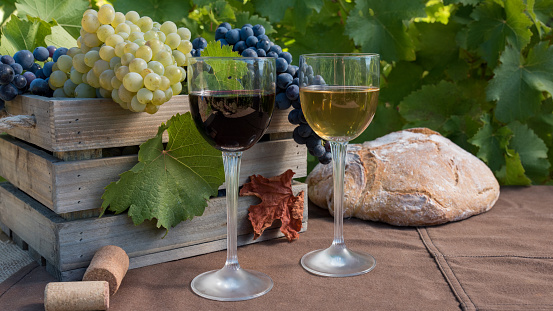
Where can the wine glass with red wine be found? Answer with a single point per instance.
(232, 102)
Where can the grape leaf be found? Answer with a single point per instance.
(492, 143)
(464, 2)
(495, 26)
(378, 27)
(512, 173)
(518, 82)
(433, 105)
(226, 74)
(531, 149)
(436, 46)
(404, 78)
(67, 13)
(20, 35)
(158, 10)
(171, 184)
(60, 37)
(277, 202)
(7, 7)
(273, 9)
(243, 18)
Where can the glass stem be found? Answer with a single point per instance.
(338, 150)
(231, 161)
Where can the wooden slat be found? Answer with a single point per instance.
(68, 246)
(80, 124)
(31, 221)
(73, 186)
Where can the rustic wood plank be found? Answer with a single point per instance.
(176, 254)
(81, 238)
(28, 168)
(79, 124)
(31, 221)
(74, 189)
(78, 155)
(70, 245)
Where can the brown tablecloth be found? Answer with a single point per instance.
(500, 260)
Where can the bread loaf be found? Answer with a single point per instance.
(409, 178)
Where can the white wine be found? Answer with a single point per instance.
(339, 113)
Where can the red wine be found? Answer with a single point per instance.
(232, 120)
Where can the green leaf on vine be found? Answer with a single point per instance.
(20, 35)
(378, 27)
(518, 82)
(158, 10)
(531, 149)
(170, 184)
(243, 18)
(512, 173)
(66, 13)
(495, 26)
(492, 143)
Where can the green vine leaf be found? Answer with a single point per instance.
(531, 149)
(170, 184)
(492, 143)
(158, 10)
(518, 82)
(243, 18)
(20, 35)
(512, 173)
(226, 75)
(495, 26)
(66, 13)
(378, 27)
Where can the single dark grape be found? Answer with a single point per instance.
(199, 43)
(319, 151)
(261, 52)
(2, 105)
(297, 137)
(248, 25)
(263, 45)
(59, 52)
(34, 68)
(283, 80)
(232, 36)
(7, 59)
(296, 104)
(296, 81)
(287, 56)
(8, 92)
(272, 54)
(304, 130)
(318, 80)
(226, 25)
(327, 146)
(282, 102)
(313, 141)
(39, 87)
(249, 53)
(326, 158)
(25, 58)
(292, 92)
(20, 82)
(220, 33)
(263, 37)
(17, 68)
(6, 74)
(245, 32)
(41, 53)
(258, 30)
(47, 69)
(240, 46)
(29, 76)
(294, 116)
(251, 41)
(276, 48)
(51, 49)
(281, 65)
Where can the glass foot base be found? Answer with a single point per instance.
(337, 261)
(231, 285)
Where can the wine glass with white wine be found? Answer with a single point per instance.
(339, 95)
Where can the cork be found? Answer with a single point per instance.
(110, 264)
(76, 296)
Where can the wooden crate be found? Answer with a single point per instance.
(56, 176)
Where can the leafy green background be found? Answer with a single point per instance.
(478, 71)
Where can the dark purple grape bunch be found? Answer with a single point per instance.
(251, 41)
(21, 74)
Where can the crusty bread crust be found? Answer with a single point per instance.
(413, 177)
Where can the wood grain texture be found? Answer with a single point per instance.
(80, 124)
(77, 186)
(68, 246)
